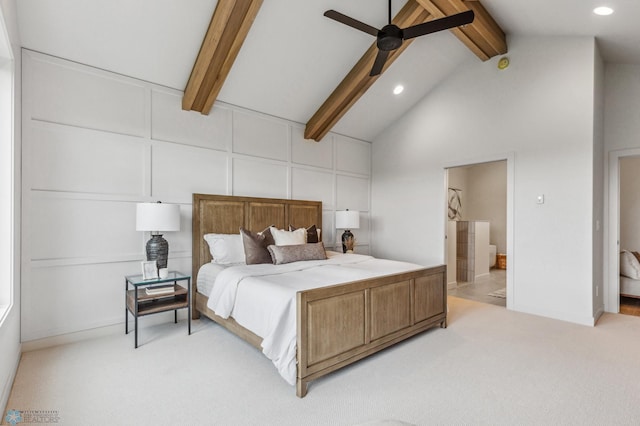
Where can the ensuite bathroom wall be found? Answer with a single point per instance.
(480, 193)
(629, 204)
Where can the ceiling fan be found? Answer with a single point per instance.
(390, 37)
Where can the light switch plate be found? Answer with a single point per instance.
(540, 199)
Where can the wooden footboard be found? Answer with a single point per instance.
(341, 324)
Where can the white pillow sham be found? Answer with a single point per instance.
(288, 238)
(225, 248)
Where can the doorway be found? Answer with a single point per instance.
(612, 230)
(478, 262)
(629, 235)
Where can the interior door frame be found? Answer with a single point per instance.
(611, 267)
(509, 157)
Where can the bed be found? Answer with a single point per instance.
(335, 325)
(629, 287)
(630, 274)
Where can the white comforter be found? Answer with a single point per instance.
(262, 298)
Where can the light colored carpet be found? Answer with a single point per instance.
(491, 366)
(502, 293)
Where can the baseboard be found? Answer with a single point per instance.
(598, 314)
(94, 333)
(562, 316)
(78, 336)
(452, 285)
(6, 391)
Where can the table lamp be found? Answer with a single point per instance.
(157, 218)
(347, 220)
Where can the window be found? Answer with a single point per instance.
(6, 171)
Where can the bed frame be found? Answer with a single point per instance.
(336, 325)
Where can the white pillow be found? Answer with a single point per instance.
(629, 265)
(289, 238)
(225, 248)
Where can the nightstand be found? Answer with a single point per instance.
(146, 297)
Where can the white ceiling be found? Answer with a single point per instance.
(294, 57)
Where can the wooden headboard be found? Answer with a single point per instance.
(225, 214)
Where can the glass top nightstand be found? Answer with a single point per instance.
(156, 295)
(137, 280)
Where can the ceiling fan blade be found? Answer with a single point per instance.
(378, 64)
(438, 24)
(354, 23)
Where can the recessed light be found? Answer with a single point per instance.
(398, 89)
(603, 11)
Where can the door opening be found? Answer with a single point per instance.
(629, 235)
(478, 231)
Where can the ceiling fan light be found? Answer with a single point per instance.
(603, 11)
(398, 89)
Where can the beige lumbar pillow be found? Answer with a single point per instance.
(296, 253)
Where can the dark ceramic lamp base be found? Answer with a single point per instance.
(345, 236)
(158, 250)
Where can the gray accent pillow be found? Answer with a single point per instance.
(255, 246)
(296, 253)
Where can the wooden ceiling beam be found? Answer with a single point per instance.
(358, 81)
(483, 37)
(227, 30)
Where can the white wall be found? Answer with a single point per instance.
(622, 107)
(541, 110)
(630, 204)
(598, 255)
(10, 320)
(96, 143)
(487, 199)
(458, 178)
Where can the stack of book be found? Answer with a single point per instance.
(159, 291)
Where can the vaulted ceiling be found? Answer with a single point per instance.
(483, 37)
(293, 57)
(231, 22)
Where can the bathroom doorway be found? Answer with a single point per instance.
(477, 232)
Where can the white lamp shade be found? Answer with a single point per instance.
(157, 217)
(348, 219)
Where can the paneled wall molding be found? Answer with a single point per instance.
(132, 117)
(67, 195)
(352, 174)
(96, 143)
(133, 257)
